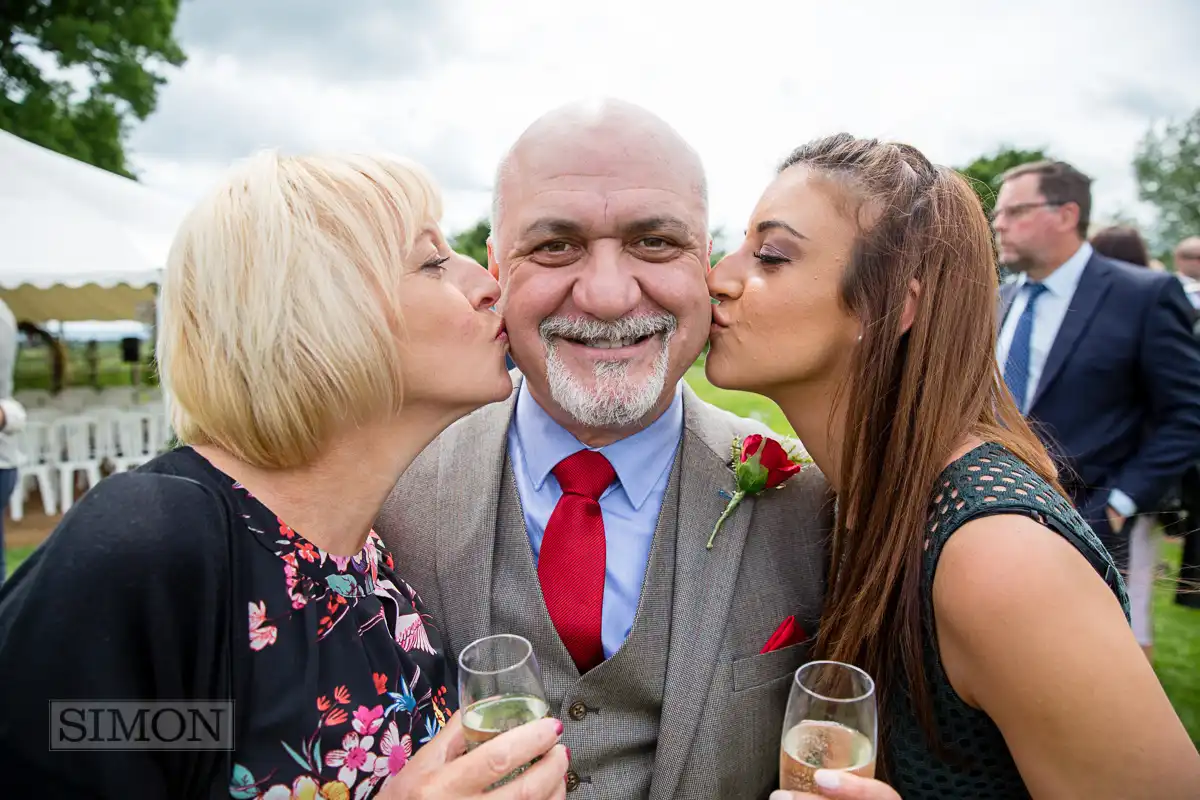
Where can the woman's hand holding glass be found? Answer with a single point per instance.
(444, 770)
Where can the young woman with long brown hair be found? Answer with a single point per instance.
(863, 302)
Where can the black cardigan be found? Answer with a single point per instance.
(131, 597)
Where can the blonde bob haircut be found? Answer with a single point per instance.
(279, 308)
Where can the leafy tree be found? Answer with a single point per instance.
(121, 44)
(1167, 166)
(473, 241)
(984, 172)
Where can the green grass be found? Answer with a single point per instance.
(1176, 629)
(744, 404)
(32, 370)
(1177, 646)
(13, 556)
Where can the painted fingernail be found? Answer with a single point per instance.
(568, 754)
(780, 794)
(827, 778)
(558, 728)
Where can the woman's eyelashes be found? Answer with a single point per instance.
(435, 265)
(769, 256)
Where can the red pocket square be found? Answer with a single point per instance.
(787, 634)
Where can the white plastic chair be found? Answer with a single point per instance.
(121, 397)
(47, 415)
(72, 400)
(36, 443)
(32, 398)
(75, 435)
(135, 440)
(104, 434)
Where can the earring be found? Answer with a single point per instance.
(859, 337)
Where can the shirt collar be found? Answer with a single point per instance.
(638, 459)
(1064, 280)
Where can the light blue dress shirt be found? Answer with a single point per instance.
(536, 443)
(1048, 316)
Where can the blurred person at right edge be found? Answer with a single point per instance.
(1121, 243)
(1124, 243)
(992, 620)
(1187, 269)
(1102, 359)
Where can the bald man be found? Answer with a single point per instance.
(576, 513)
(1187, 266)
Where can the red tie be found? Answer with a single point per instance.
(572, 559)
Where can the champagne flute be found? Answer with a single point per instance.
(499, 688)
(830, 723)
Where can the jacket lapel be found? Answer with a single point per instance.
(470, 471)
(1093, 285)
(1008, 293)
(704, 585)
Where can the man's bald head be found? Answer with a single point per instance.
(598, 130)
(1187, 257)
(600, 242)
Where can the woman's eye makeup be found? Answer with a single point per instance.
(435, 264)
(769, 255)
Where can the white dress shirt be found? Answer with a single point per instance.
(629, 508)
(1048, 317)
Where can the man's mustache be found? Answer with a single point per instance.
(632, 327)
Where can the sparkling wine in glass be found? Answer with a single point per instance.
(830, 723)
(500, 688)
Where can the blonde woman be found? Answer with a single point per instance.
(317, 332)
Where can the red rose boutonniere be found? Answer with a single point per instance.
(759, 463)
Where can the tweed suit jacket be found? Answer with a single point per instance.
(723, 702)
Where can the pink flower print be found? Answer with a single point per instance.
(397, 750)
(367, 721)
(260, 635)
(356, 755)
(341, 562)
(292, 577)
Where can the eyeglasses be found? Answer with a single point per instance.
(1019, 210)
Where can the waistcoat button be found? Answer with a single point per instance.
(572, 780)
(577, 711)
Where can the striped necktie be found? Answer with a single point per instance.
(1016, 369)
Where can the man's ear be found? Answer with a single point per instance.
(493, 265)
(911, 300)
(1070, 215)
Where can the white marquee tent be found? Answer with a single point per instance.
(78, 242)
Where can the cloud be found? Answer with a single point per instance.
(330, 40)
(453, 84)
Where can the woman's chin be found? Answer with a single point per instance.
(720, 374)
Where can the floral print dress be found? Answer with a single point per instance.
(346, 677)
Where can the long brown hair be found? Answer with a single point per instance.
(910, 398)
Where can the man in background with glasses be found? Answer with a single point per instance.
(1100, 355)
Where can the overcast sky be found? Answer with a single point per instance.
(453, 82)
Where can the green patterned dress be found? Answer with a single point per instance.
(988, 480)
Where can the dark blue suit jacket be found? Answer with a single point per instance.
(1118, 402)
